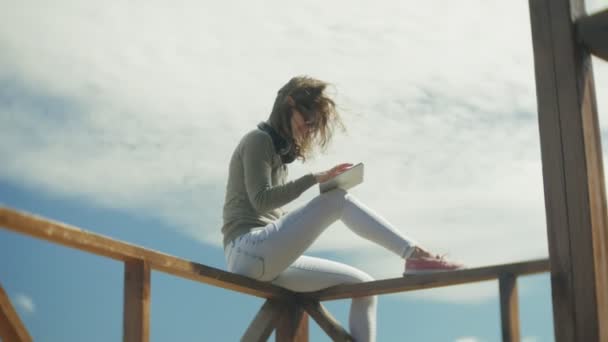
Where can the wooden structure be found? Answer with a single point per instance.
(284, 312)
(575, 200)
(11, 327)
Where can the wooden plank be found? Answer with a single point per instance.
(136, 315)
(11, 326)
(553, 178)
(573, 174)
(593, 32)
(263, 323)
(426, 281)
(69, 236)
(509, 308)
(326, 321)
(293, 324)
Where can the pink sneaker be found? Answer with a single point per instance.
(430, 265)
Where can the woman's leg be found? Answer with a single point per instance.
(264, 253)
(311, 274)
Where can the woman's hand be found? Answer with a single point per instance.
(333, 172)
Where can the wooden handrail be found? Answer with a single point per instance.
(288, 317)
(427, 281)
(66, 235)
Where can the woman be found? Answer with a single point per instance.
(265, 243)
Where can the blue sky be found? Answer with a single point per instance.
(120, 118)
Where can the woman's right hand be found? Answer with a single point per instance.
(333, 172)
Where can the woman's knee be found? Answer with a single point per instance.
(336, 195)
(334, 200)
(328, 206)
(359, 276)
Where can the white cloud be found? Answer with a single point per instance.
(138, 108)
(593, 6)
(467, 339)
(530, 339)
(24, 303)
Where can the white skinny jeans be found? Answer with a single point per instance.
(274, 252)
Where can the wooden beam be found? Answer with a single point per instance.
(426, 281)
(293, 324)
(593, 32)
(575, 199)
(264, 322)
(11, 327)
(136, 314)
(509, 307)
(97, 244)
(326, 321)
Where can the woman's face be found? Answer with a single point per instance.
(299, 127)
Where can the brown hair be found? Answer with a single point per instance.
(309, 98)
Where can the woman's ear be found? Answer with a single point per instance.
(291, 101)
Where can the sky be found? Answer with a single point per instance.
(120, 117)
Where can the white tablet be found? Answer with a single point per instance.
(345, 180)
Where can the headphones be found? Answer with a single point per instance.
(282, 146)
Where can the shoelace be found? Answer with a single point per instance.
(441, 257)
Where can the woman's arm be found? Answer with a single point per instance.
(257, 157)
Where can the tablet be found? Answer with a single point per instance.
(345, 180)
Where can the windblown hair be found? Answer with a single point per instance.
(317, 108)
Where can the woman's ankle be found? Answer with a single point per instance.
(420, 252)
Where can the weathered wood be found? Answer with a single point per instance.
(554, 182)
(426, 281)
(11, 326)
(326, 321)
(136, 314)
(573, 174)
(593, 32)
(97, 244)
(293, 324)
(509, 308)
(264, 322)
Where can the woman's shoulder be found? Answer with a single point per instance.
(257, 139)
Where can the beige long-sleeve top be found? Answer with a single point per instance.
(257, 187)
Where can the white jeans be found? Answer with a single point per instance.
(274, 252)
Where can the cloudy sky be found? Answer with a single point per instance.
(131, 109)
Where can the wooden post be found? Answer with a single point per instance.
(136, 319)
(509, 308)
(293, 325)
(327, 322)
(11, 327)
(575, 198)
(263, 323)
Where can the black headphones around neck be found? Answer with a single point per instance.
(282, 146)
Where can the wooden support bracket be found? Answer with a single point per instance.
(593, 32)
(264, 322)
(326, 321)
(11, 327)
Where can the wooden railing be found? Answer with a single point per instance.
(284, 312)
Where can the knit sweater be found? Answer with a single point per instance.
(257, 187)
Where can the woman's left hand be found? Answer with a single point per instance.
(333, 172)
